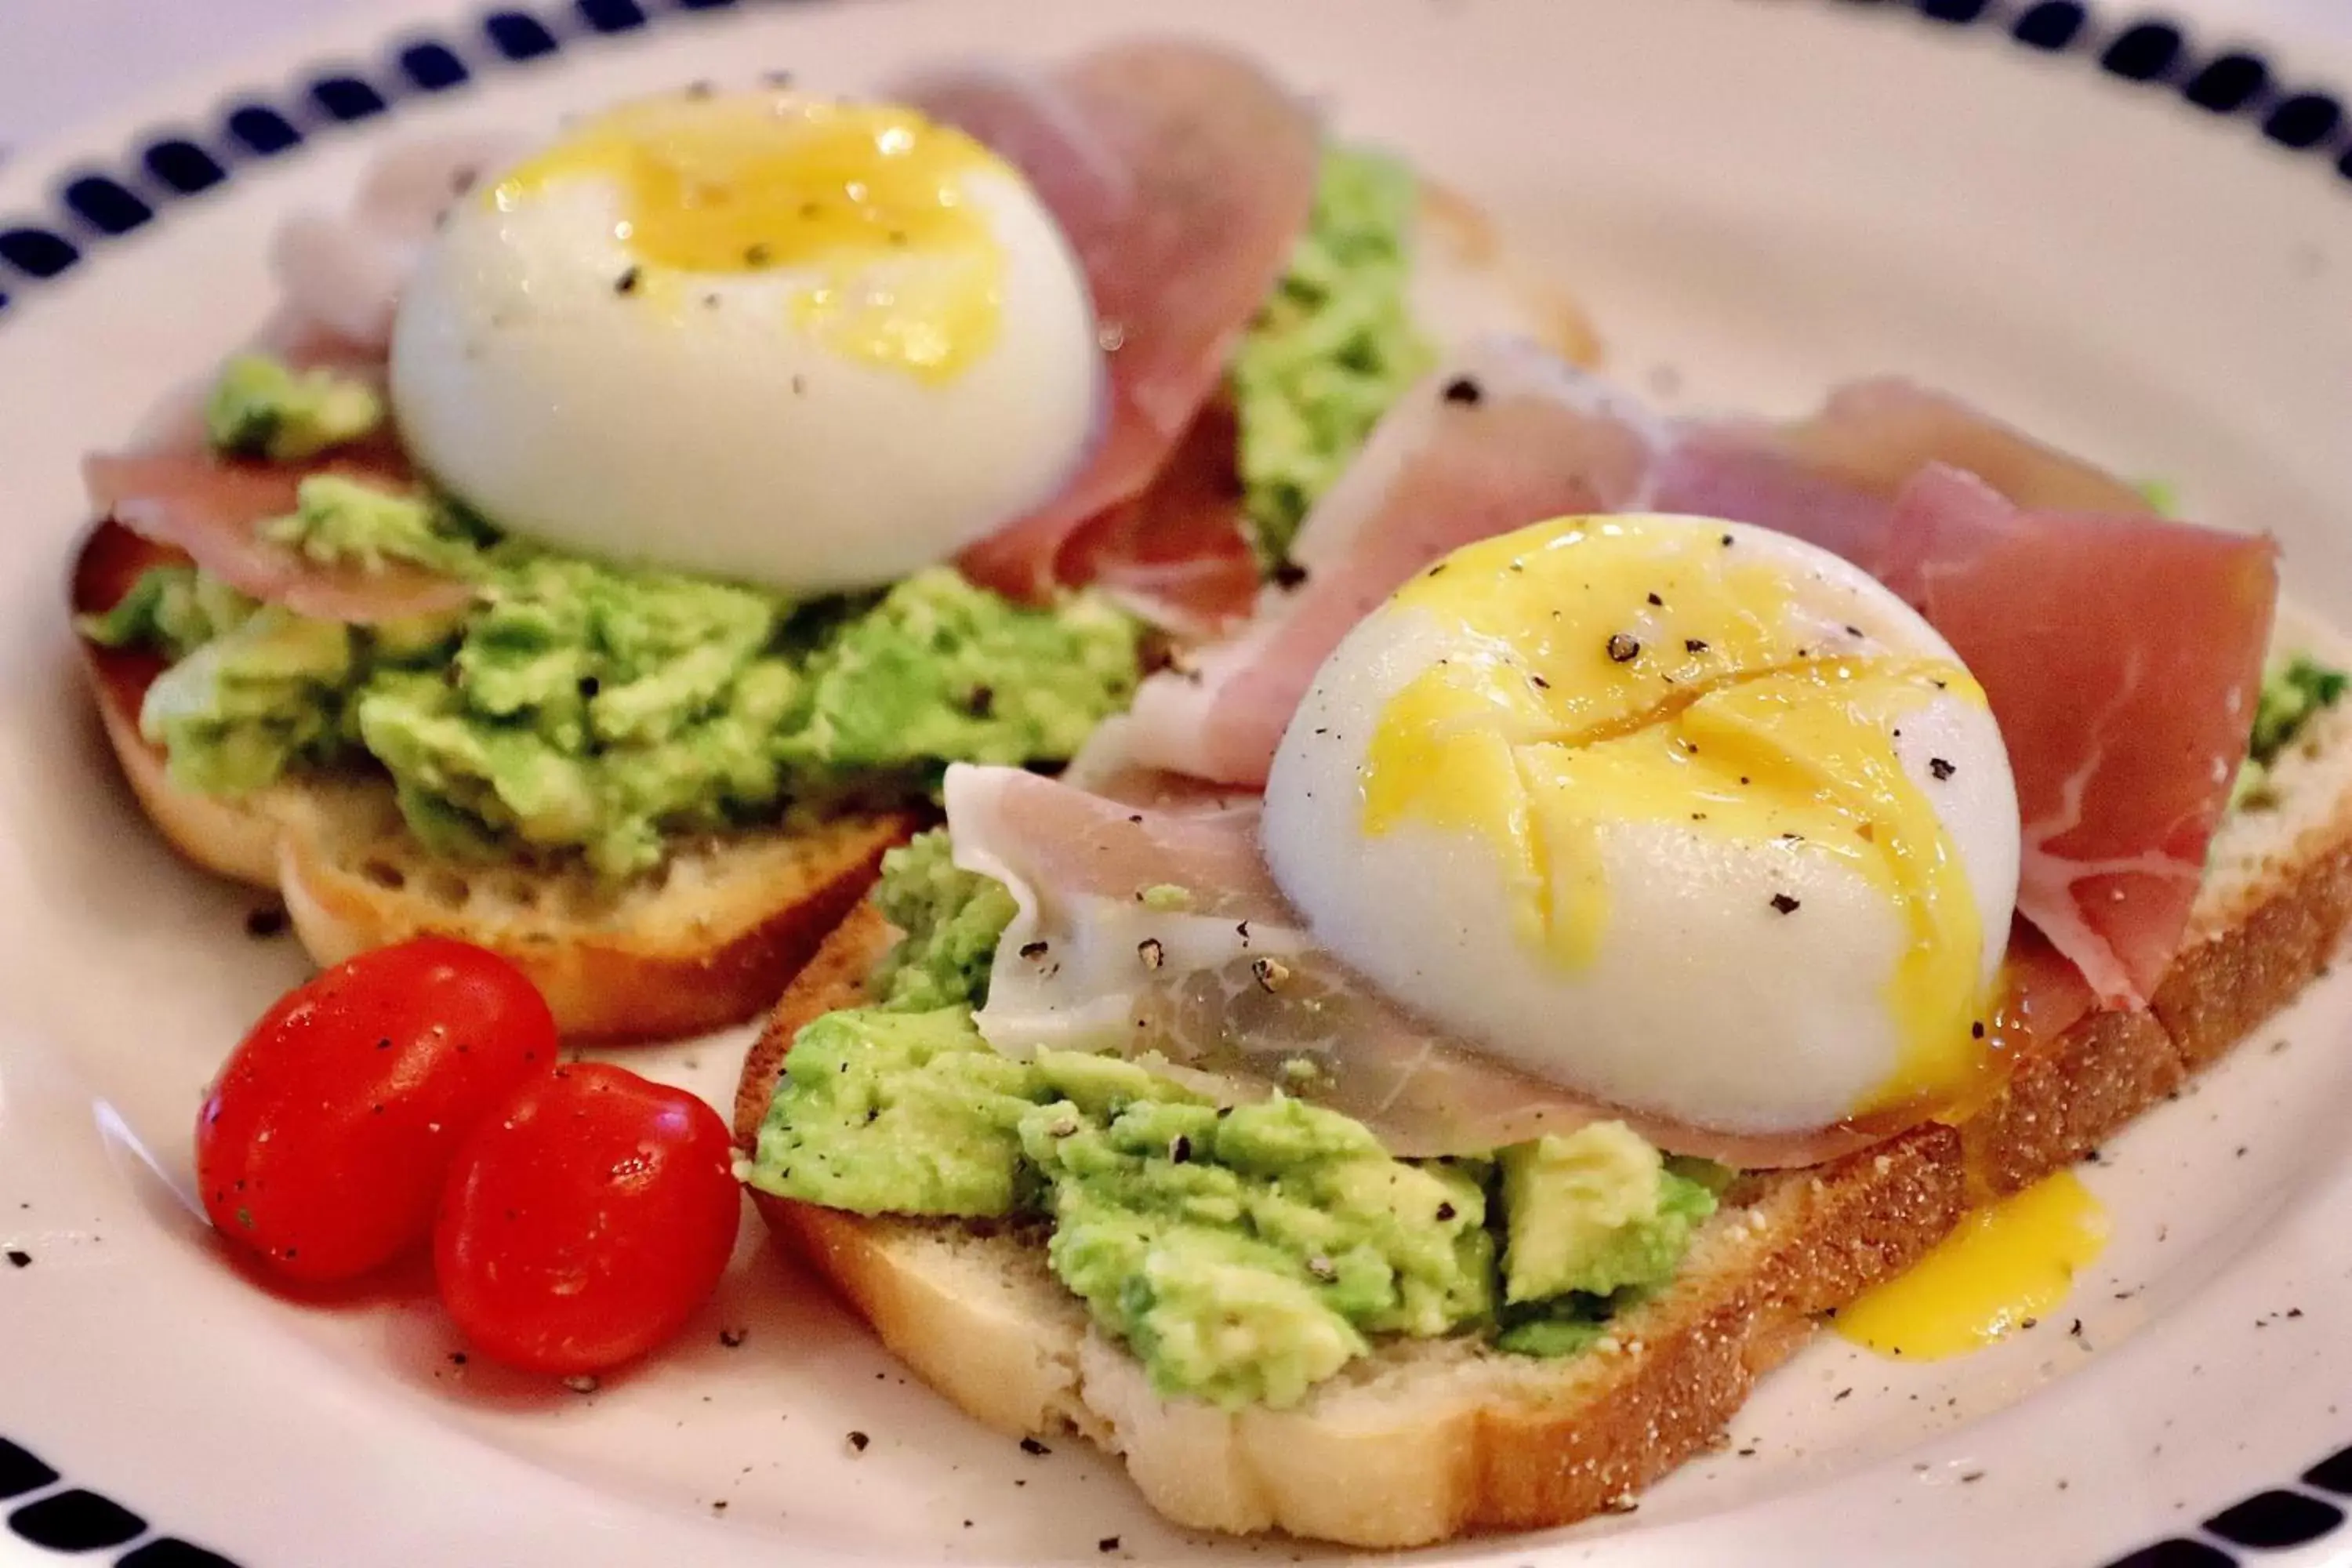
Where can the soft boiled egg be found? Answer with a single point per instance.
(1689, 816)
(766, 336)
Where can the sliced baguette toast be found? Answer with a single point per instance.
(703, 943)
(1424, 1440)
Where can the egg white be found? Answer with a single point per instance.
(687, 421)
(1703, 1004)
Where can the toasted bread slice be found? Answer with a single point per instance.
(702, 944)
(1424, 1440)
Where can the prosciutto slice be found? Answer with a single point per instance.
(2123, 657)
(213, 507)
(1182, 175)
(1228, 992)
(1177, 554)
(1501, 436)
(1872, 436)
(2121, 653)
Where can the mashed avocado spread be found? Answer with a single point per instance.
(952, 919)
(580, 707)
(259, 408)
(1333, 348)
(2292, 694)
(1244, 1254)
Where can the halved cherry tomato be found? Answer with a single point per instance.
(585, 1220)
(326, 1142)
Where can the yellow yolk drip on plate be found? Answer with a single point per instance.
(2007, 1263)
(869, 202)
(1630, 670)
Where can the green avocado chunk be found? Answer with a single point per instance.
(952, 920)
(912, 1112)
(173, 610)
(1333, 347)
(245, 706)
(897, 1113)
(337, 519)
(260, 408)
(2292, 694)
(584, 706)
(1592, 1212)
(1245, 1255)
(1562, 1326)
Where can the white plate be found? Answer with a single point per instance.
(1757, 200)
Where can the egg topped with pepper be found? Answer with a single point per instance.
(1689, 816)
(761, 335)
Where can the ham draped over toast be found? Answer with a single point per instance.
(1179, 554)
(171, 489)
(2122, 656)
(1234, 994)
(2121, 653)
(213, 507)
(1183, 174)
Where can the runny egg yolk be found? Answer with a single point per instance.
(1622, 671)
(2007, 1264)
(868, 204)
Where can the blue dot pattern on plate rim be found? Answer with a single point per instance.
(175, 167)
(346, 98)
(105, 205)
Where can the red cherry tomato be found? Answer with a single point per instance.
(325, 1143)
(585, 1220)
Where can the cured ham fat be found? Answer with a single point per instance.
(1157, 932)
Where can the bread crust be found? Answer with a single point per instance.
(233, 838)
(706, 946)
(1453, 1439)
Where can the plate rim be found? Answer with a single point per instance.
(87, 206)
(89, 202)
